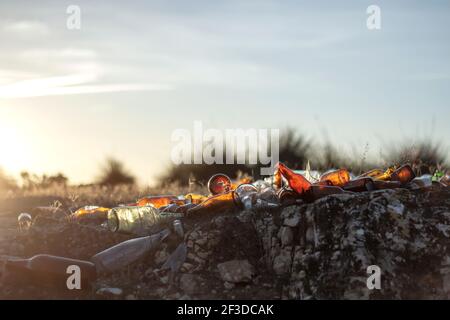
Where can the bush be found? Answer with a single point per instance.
(114, 173)
(6, 183)
(32, 181)
(296, 149)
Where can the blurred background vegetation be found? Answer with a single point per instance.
(296, 149)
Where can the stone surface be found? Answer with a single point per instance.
(319, 250)
(405, 233)
(236, 271)
(189, 283)
(110, 292)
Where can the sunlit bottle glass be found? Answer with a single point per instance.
(336, 177)
(219, 183)
(297, 182)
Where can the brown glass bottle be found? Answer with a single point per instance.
(296, 181)
(160, 201)
(319, 191)
(404, 174)
(195, 198)
(380, 184)
(386, 175)
(337, 177)
(51, 270)
(359, 185)
(219, 183)
(221, 202)
(372, 173)
(277, 180)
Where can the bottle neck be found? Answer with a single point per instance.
(17, 264)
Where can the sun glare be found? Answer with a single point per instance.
(14, 152)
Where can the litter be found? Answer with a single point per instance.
(154, 217)
(24, 219)
(138, 220)
(44, 268)
(127, 252)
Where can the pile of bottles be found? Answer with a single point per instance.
(285, 187)
(154, 218)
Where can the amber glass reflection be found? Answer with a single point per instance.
(337, 178)
(297, 182)
(220, 202)
(160, 201)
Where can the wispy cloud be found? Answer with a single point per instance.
(27, 27)
(70, 84)
(10, 76)
(66, 53)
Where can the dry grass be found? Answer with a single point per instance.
(73, 197)
(296, 149)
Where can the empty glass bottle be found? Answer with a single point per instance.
(404, 174)
(386, 175)
(221, 202)
(160, 201)
(380, 184)
(423, 181)
(246, 195)
(318, 191)
(267, 194)
(297, 182)
(195, 198)
(277, 179)
(359, 185)
(127, 252)
(372, 173)
(336, 177)
(219, 183)
(91, 212)
(138, 220)
(51, 270)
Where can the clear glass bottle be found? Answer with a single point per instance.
(139, 220)
(127, 252)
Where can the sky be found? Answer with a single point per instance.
(137, 70)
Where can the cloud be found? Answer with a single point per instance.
(70, 84)
(9, 76)
(27, 27)
(66, 53)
